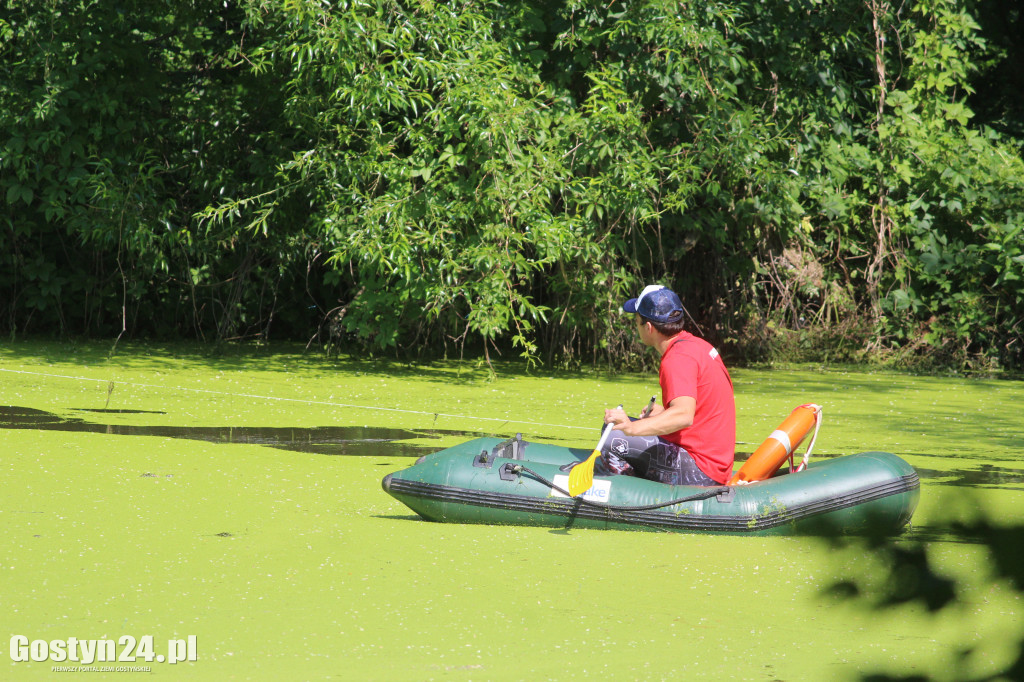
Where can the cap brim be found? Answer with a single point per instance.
(629, 306)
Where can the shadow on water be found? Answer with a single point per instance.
(373, 441)
(984, 475)
(352, 441)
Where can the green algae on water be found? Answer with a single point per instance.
(293, 564)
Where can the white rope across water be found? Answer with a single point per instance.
(306, 401)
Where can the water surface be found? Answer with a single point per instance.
(194, 498)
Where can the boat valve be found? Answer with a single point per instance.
(510, 472)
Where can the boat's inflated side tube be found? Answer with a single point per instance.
(477, 482)
(779, 446)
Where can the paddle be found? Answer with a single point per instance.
(582, 475)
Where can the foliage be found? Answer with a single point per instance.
(912, 215)
(462, 181)
(122, 119)
(961, 207)
(419, 176)
(424, 161)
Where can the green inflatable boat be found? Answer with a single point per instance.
(520, 483)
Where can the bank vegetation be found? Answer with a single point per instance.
(820, 180)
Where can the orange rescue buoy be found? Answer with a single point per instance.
(779, 446)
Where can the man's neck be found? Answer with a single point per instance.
(663, 343)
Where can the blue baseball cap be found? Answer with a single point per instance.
(656, 303)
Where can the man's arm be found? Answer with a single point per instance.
(678, 415)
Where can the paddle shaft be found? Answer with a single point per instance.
(581, 477)
(604, 439)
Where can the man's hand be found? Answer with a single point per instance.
(616, 416)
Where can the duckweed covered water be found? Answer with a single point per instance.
(143, 515)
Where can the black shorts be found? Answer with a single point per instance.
(649, 457)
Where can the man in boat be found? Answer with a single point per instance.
(690, 438)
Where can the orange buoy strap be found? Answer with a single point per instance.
(810, 446)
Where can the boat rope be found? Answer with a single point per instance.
(810, 446)
(375, 408)
(702, 495)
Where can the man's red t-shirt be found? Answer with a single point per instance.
(691, 367)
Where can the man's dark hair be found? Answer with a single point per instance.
(670, 328)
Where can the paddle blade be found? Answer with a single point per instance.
(581, 477)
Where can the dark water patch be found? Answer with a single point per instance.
(953, 532)
(353, 441)
(115, 411)
(937, 533)
(984, 475)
